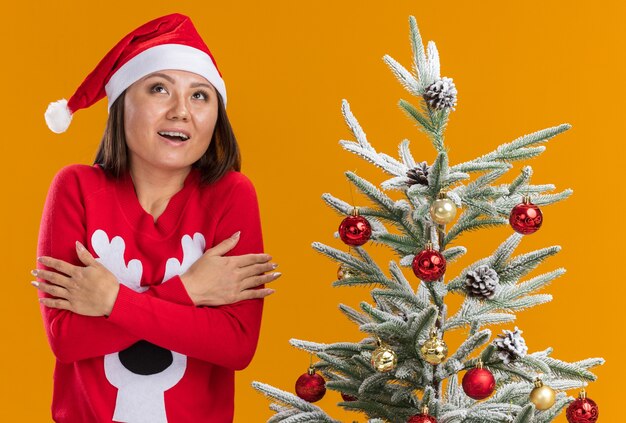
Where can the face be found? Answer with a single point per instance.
(169, 118)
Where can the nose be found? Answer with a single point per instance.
(179, 109)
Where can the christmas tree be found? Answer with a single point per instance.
(402, 371)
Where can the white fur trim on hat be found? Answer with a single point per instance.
(58, 116)
(162, 57)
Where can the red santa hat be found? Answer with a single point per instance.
(168, 42)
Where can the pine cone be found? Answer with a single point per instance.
(418, 175)
(510, 345)
(482, 282)
(441, 94)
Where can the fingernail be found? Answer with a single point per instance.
(41, 300)
(33, 272)
(79, 246)
(40, 259)
(274, 266)
(277, 274)
(236, 234)
(271, 291)
(35, 284)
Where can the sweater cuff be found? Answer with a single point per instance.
(124, 304)
(128, 301)
(172, 290)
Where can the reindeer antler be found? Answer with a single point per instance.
(193, 248)
(111, 255)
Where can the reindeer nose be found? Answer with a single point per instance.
(144, 358)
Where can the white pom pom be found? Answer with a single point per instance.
(58, 116)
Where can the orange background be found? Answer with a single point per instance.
(519, 67)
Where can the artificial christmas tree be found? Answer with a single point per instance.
(409, 317)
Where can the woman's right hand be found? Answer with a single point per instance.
(215, 279)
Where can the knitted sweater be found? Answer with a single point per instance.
(157, 357)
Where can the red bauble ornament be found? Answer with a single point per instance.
(421, 418)
(355, 230)
(429, 265)
(310, 386)
(582, 410)
(479, 383)
(526, 218)
(424, 417)
(348, 398)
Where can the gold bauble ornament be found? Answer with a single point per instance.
(434, 350)
(345, 272)
(384, 359)
(442, 210)
(542, 396)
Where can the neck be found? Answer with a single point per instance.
(155, 187)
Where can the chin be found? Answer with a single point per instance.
(175, 166)
(166, 162)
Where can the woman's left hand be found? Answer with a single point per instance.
(90, 290)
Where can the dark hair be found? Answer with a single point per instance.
(221, 156)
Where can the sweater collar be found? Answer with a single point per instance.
(143, 221)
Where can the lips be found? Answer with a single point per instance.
(175, 135)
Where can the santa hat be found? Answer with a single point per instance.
(168, 42)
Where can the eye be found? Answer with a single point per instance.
(201, 95)
(158, 88)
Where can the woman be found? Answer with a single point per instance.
(146, 323)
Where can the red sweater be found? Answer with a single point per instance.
(157, 357)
